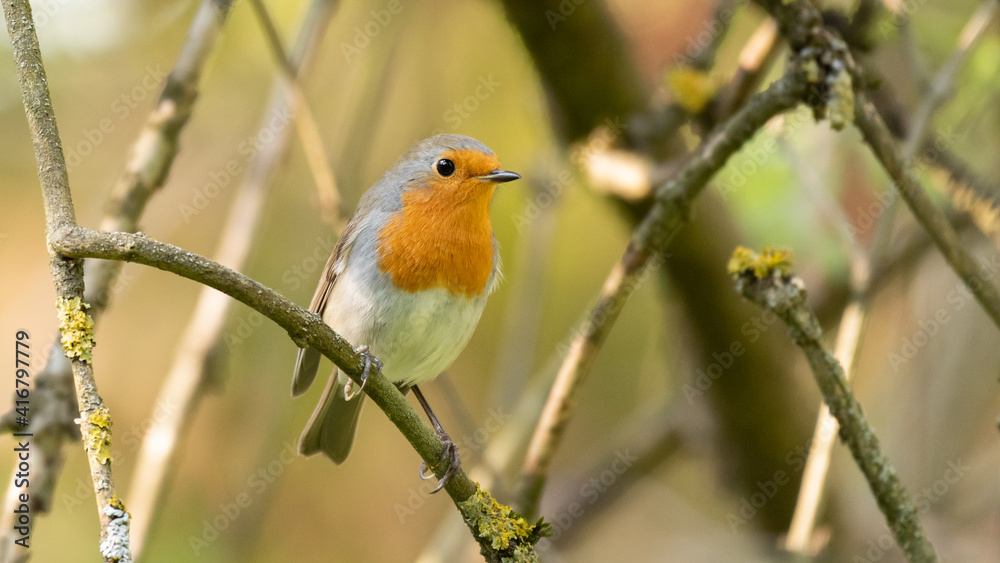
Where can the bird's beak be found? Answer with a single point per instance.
(499, 176)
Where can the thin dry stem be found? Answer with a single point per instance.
(306, 127)
(190, 373)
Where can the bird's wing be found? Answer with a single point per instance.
(307, 361)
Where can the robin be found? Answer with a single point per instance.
(407, 283)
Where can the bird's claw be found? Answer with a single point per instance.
(449, 456)
(370, 360)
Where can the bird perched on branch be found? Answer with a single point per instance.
(406, 283)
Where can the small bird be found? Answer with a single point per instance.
(406, 283)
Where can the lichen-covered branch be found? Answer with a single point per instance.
(854, 318)
(668, 213)
(802, 25)
(75, 324)
(766, 280)
(308, 330)
(54, 402)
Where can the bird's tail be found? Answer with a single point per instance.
(331, 428)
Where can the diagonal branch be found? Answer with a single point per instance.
(651, 237)
(492, 524)
(67, 275)
(802, 25)
(884, 147)
(154, 150)
(854, 320)
(767, 283)
(308, 130)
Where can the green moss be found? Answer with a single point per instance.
(504, 530)
(100, 434)
(77, 328)
(771, 260)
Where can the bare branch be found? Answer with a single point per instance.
(651, 237)
(933, 219)
(308, 130)
(770, 286)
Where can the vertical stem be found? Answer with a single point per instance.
(67, 274)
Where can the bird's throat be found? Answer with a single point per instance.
(440, 240)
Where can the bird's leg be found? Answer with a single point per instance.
(450, 453)
(370, 361)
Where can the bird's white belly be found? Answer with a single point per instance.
(415, 335)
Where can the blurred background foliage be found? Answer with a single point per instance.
(106, 61)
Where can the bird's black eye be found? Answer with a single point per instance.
(445, 167)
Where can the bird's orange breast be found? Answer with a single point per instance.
(441, 238)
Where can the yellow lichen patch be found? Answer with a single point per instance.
(840, 108)
(811, 68)
(691, 88)
(771, 260)
(504, 529)
(118, 503)
(77, 328)
(100, 434)
(742, 260)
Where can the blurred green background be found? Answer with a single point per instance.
(940, 406)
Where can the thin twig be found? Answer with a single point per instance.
(308, 131)
(884, 147)
(799, 23)
(190, 373)
(754, 61)
(482, 513)
(940, 87)
(854, 320)
(150, 159)
(651, 237)
(156, 147)
(959, 172)
(67, 275)
(785, 295)
(723, 15)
